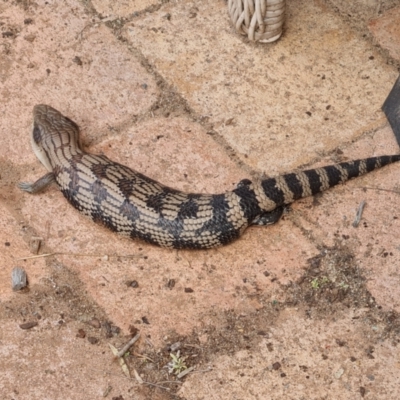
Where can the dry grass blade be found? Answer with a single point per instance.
(105, 256)
(122, 362)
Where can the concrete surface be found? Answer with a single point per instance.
(305, 309)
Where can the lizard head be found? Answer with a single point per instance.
(52, 133)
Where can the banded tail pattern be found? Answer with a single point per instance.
(285, 189)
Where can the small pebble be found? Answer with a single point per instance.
(133, 330)
(175, 346)
(18, 278)
(115, 330)
(339, 373)
(93, 340)
(81, 334)
(77, 60)
(95, 323)
(28, 325)
(276, 366)
(107, 328)
(34, 244)
(170, 283)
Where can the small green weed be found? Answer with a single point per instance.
(177, 365)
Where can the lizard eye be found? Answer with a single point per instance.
(36, 134)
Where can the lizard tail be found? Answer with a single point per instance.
(285, 189)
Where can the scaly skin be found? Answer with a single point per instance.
(134, 205)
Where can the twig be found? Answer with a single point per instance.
(137, 376)
(79, 255)
(38, 256)
(185, 372)
(142, 356)
(379, 189)
(155, 385)
(193, 345)
(203, 370)
(122, 362)
(119, 354)
(148, 341)
(359, 214)
(79, 36)
(125, 348)
(142, 382)
(107, 391)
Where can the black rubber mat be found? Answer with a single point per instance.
(391, 107)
